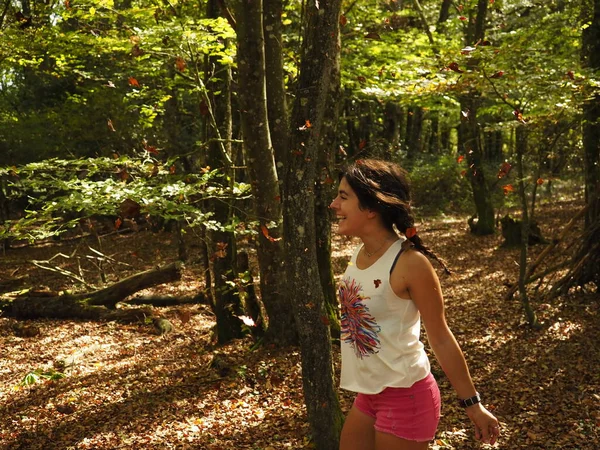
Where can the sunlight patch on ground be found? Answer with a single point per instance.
(564, 330)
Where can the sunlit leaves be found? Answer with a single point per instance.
(64, 192)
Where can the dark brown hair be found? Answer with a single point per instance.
(383, 187)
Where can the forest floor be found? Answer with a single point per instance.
(127, 388)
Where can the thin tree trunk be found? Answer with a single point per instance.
(221, 244)
(521, 147)
(320, 43)
(276, 94)
(470, 146)
(260, 160)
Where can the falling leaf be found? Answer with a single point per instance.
(518, 115)
(172, 169)
(454, 67)
(247, 321)
(467, 50)
(465, 113)
(343, 20)
(462, 18)
(342, 151)
(504, 169)
(497, 74)
(460, 159)
(118, 223)
(463, 173)
(136, 51)
(133, 82)
(129, 209)
(110, 125)
(306, 125)
(571, 75)
(508, 188)
(540, 181)
(265, 232)
(361, 79)
(362, 144)
(373, 35)
(180, 63)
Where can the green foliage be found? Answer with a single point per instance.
(40, 374)
(61, 193)
(438, 186)
(90, 78)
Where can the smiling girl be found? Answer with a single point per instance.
(387, 289)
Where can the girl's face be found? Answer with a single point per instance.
(351, 218)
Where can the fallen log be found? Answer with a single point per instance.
(97, 305)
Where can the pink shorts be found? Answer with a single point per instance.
(410, 413)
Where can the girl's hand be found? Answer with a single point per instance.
(487, 428)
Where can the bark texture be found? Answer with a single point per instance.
(320, 44)
(260, 160)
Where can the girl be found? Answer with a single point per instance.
(388, 287)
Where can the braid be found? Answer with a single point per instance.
(405, 222)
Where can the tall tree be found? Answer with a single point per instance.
(260, 159)
(319, 45)
(222, 254)
(470, 134)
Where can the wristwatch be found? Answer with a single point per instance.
(465, 403)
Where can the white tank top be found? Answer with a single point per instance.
(380, 331)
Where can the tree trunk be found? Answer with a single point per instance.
(414, 128)
(276, 94)
(521, 147)
(94, 305)
(325, 189)
(470, 146)
(263, 174)
(221, 244)
(320, 44)
(591, 147)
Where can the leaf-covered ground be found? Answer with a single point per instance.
(128, 388)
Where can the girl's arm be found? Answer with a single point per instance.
(417, 276)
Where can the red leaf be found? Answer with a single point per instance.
(362, 144)
(265, 232)
(497, 74)
(508, 188)
(462, 18)
(172, 169)
(571, 75)
(361, 79)
(377, 283)
(133, 82)
(343, 20)
(118, 223)
(460, 159)
(463, 173)
(540, 181)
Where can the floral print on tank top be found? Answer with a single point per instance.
(359, 327)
